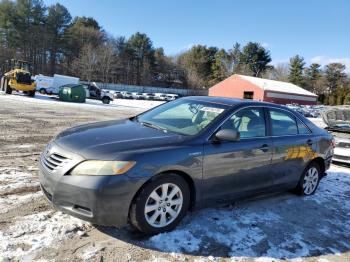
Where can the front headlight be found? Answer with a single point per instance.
(102, 168)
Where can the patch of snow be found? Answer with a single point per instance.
(12, 178)
(9, 202)
(31, 233)
(89, 253)
(53, 100)
(176, 242)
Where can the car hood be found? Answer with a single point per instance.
(337, 118)
(105, 140)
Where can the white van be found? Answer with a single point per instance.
(61, 80)
(43, 83)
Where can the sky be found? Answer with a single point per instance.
(318, 30)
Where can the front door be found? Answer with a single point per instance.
(242, 167)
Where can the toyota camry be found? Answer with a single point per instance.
(151, 169)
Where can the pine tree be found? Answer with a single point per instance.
(220, 67)
(255, 58)
(313, 77)
(296, 64)
(335, 75)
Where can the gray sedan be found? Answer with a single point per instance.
(190, 153)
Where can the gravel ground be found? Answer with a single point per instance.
(272, 228)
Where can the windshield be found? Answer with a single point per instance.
(337, 118)
(182, 116)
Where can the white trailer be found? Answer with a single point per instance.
(43, 83)
(61, 80)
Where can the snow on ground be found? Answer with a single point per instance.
(9, 202)
(14, 179)
(281, 227)
(16, 188)
(119, 103)
(29, 234)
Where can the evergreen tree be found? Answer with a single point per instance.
(220, 67)
(141, 50)
(57, 20)
(335, 75)
(296, 64)
(255, 58)
(313, 76)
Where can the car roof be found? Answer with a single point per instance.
(232, 101)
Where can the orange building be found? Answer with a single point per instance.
(248, 87)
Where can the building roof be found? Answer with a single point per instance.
(277, 86)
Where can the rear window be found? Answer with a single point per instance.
(302, 128)
(282, 123)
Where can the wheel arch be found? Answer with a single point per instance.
(321, 164)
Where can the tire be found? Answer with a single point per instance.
(42, 91)
(106, 100)
(161, 211)
(31, 93)
(6, 87)
(2, 84)
(309, 180)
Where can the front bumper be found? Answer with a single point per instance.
(102, 200)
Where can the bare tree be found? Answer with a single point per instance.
(87, 63)
(106, 61)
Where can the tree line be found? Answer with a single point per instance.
(55, 42)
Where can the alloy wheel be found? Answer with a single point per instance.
(163, 205)
(310, 181)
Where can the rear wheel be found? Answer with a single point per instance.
(161, 204)
(42, 91)
(309, 180)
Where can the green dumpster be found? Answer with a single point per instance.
(72, 93)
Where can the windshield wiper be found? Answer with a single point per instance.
(149, 124)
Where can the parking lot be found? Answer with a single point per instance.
(275, 227)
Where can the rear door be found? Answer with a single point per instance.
(238, 168)
(293, 146)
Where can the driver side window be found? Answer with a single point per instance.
(249, 122)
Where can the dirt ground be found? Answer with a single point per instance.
(278, 227)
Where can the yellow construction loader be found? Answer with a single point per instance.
(17, 77)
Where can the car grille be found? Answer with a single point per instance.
(54, 161)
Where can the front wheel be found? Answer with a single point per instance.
(309, 180)
(161, 204)
(106, 100)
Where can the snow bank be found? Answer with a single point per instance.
(31, 233)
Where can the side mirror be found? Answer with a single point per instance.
(227, 135)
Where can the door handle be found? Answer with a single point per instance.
(264, 148)
(309, 142)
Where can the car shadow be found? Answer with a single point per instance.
(282, 226)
